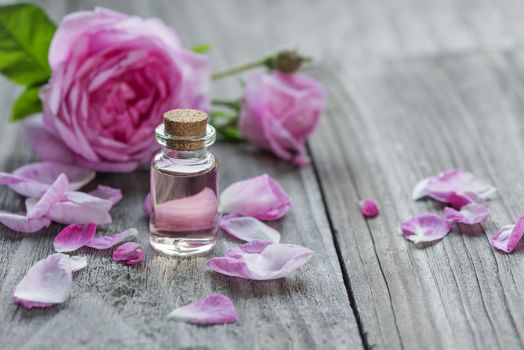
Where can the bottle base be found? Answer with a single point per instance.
(175, 246)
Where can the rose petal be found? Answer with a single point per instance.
(458, 199)
(253, 247)
(425, 228)
(46, 283)
(105, 192)
(22, 185)
(419, 191)
(214, 309)
(197, 212)
(248, 229)
(87, 200)
(130, 253)
(43, 143)
(369, 208)
(507, 238)
(78, 263)
(69, 213)
(32, 180)
(276, 260)
(147, 205)
(454, 186)
(50, 197)
(260, 197)
(105, 242)
(21, 223)
(469, 214)
(301, 160)
(74, 237)
(79, 208)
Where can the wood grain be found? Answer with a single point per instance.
(113, 306)
(404, 121)
(414, 87)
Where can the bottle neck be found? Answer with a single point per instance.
(202, 153)
(184, 162)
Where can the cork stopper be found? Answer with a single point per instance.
(185, 123)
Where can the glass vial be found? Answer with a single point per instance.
(184, 186)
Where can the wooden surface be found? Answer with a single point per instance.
(414, 87)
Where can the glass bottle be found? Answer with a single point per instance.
(184, 186)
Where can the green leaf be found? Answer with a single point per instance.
(234, 104)
(25, 37)
(26, 104)
(202, 48)
(230, 133)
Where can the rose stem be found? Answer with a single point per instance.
(239, 69)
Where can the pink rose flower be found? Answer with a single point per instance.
(113, 76)
(280, 111)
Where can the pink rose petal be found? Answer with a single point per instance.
(20, 222)
(455, 186)
(214, 309)
(301, 160)
(369, 208)
(78, 263)
(507, 238)
(79, 208)
(130, 253)
(32, 180)
(87, 200)
(420, 189)
(69, 213)
(114, 195)
(43, 143)
(247, 228)
(46, 283)
(10, 179)
(469, 214)
(460, 199)
(22, 185)
(74, 237)
(105, 242)
(253, 247)
(197, 212)
(50, 197)
(275, 260)
(425, 228)
(260, 197)
(147, 205)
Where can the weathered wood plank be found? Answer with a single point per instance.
(338, 32)
(113, 306)
(390, 125)
(127, 306)
(334, 31)
(378, 139)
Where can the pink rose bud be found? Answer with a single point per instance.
(286, 61)
(113, 76)
(369, 208)
(280, 111)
